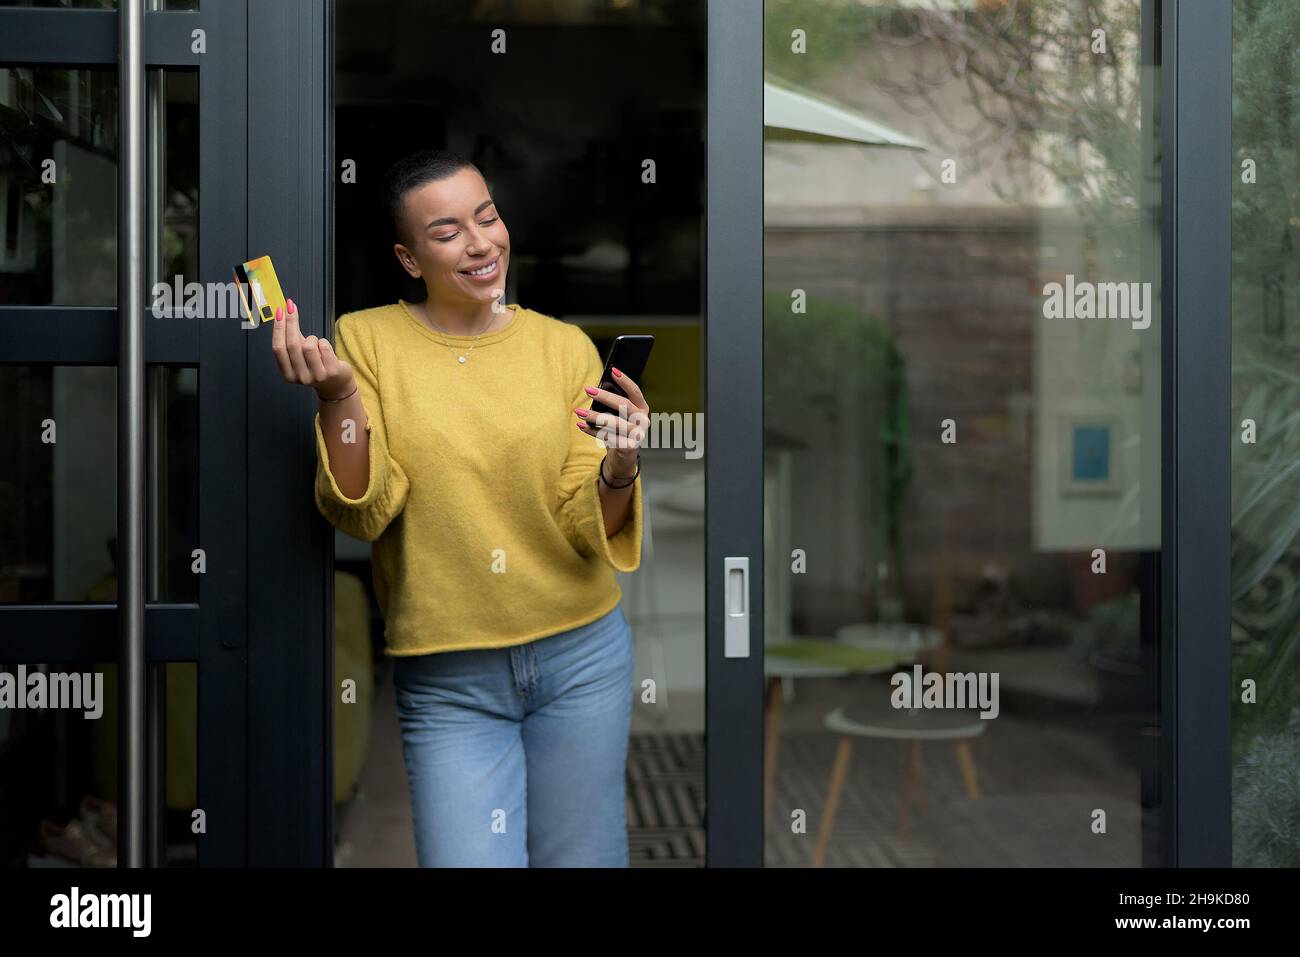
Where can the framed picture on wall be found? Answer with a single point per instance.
(1089, 455)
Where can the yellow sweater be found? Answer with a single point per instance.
(482, 503)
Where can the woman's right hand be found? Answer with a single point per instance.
(308, 361)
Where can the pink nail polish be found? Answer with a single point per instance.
(581, 412)
(590, 390)
(615, 371)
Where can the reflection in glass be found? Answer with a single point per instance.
(58, 502)
(1265, 686)
(59, 172)
(956, 440)
(180, 178)
(58, 768)
(78, 4)
(58, 183)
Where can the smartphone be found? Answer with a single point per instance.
(259, 289)
(629, 354)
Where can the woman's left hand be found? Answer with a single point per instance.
(621, 434)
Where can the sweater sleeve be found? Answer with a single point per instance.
(365, 517)
(580, 514)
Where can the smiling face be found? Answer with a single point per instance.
(450, 227)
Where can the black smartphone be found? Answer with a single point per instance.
(628, 354)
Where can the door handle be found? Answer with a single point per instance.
(735, 607)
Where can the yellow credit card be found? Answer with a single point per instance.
(259, 289)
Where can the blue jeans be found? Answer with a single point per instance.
(515, 756)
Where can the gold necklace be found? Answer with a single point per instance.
(461, 358)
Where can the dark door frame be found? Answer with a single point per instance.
(290, 546)
(1196, 478)
(261, 629)
(733, 464)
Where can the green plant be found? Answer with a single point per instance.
(835, 361)
(1266, 799)
(1265, 472)
(1265, 523)
(1266, 516)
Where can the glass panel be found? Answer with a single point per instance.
(180, 181)
(628, 260)
(58, 183)
(77, 4)
(59, 171)
(182, 755)
(102, 4)
(58, 765)
(58, 504)
(1266, 438)
(961, 410)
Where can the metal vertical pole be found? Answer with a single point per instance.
(131, 254)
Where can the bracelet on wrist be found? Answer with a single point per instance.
(340, 398)
(626, 483)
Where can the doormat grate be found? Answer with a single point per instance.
(665, 805)
(665, 800)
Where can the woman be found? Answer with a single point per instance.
(455, 435)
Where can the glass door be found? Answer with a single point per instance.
(62, 792)
(962, 429)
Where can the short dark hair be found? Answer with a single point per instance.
(412, 172)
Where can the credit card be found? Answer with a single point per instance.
(259, 289)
